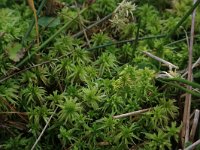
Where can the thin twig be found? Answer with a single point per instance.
(187, 38)
(33, 22)
(193, 145)
(187, 107)
(194, 125)
(170, 65)
(12, 108)
(193, 66)
(33, 147)
(21, 71)
(91, 26)
(98, 22)
(82, 27)
(132, 113)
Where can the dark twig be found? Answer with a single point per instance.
(127, 41)
(92, 25)
(16, 73)
(21, 71)
(136, 40)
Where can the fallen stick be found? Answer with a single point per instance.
(132, 113)
(43, 130)
(161, 60)
(193, 66)
(193, 145)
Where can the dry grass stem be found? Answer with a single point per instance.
(191, 147)
(194, 125)
(187, 107)
(170, 65)
(193, 66)
(132, 113)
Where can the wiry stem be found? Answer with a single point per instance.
(193, 66)
(33, 147)
(194, 125)
(187, 107)
(33, 22)
(92, 25)
(170, 65)
(191, 147)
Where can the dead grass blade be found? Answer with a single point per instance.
(187, 107)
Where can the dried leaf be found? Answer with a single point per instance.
(15, 51)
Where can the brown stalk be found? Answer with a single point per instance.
(32, 6)
(18, 125)
(187, 107)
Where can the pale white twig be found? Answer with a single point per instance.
(131, 113)
(193, 66)
(164, 74)
(170, 65)
(193, 145)
(33, 147)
